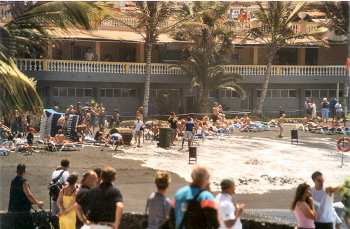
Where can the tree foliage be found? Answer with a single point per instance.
(211, 46)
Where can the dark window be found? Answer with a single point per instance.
(340, 93)
(311, 56)
(79, 92)
(103, 92)
(234, 94)
(307, 93)
(332, 93)
(316, 93)
(132, 92)
(55, 91)
(88, 92)
(117, 92)
(323, 93)
(71, 92)
(109, 92)
(63, 91)
(258, 93)
(292, 93)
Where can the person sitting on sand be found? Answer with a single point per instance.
(59, 137)
(245, 123)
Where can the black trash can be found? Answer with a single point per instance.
(165, 135)
(294, 136)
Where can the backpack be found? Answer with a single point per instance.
(194, 217)
(55, 186)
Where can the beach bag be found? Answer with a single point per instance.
(55, 186)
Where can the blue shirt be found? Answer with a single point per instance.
(189, 126)
(186, 194)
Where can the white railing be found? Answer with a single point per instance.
(288, 70)
(169, 69)
(94, 66)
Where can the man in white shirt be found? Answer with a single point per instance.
(61, 171)
(323, 199)
(229, 212)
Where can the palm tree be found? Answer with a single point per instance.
(275, 31)
(29, 28)
(210, 47)
(151, 17)
(338, 15)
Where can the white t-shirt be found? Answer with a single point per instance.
(323, 205)
(117, 136)
(64, 176)
(227, 209)
(138, 125)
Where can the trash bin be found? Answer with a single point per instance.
(165, 137)
(294, 136)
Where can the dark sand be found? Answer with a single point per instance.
(134, 180)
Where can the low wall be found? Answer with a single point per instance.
(134, 221)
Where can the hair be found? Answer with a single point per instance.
(72, 179)
(87, 175)
(21, 169)
(299, 193)
(108, 175)
(65, 163)
(60, 131)
(162, 180)
(98, 172)
(199, 174)
(315, 175)
(226, 183)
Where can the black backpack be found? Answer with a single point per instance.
(194, 217)
(55, 187)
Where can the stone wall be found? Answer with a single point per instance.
(134, 221)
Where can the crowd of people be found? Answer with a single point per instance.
(328, 109)
(94, 202)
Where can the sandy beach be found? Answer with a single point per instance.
(135, 177)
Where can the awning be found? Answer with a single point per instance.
(105, 35)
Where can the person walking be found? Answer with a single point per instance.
(189, 126)
(158, 205)
(67, 205)
(104, 203)
(323, 199)
(60, 174)
(195, 206)
(173, 125)
(303, 207)
(21, 200)
(325, 110)
(229, 212)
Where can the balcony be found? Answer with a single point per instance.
(45, 65)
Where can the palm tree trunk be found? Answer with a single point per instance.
(265, 85)
(148, 78)
(203, 100)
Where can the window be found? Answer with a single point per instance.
(109, 92)
(79, 92)
(132, 92)
(103, 92)
(71, 92)
(316, 93)
(88, 92)
(323, 93)
(307, 93)
(284, 93)
(55, 91)
(292, 93)
(117, 92)
(63, 91)
(332, 93)
(276, 93)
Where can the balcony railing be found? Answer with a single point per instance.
(169, 69)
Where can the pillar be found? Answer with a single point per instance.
(140, 52)
(255, 55)
(301, 56)
(49, 50)
(98, 50)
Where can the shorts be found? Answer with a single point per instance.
(138, 132)
(323, 225)
(188, 135)
(325, 113)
